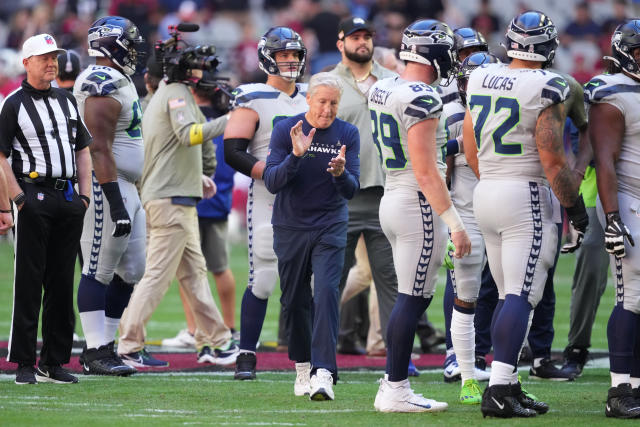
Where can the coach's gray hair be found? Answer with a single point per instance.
(324, 79)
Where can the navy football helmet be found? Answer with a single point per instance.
(532, 36)
(430, 42)
(118, 39)
(469, 64)
(278, 39)
(624, 40)
(467, 37)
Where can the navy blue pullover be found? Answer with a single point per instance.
(307, 196)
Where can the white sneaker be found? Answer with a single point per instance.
(183, 339)
(481, 375)
(401, 398)
(451, 369)
(321, 385)
(301, 386)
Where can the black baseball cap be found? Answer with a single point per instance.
(350, 25)
(68, 65)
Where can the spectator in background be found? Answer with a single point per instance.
(324, 25)
(389, 25)
(582, 27)
(486, 22)
(10, 72)
(68, 70)
(212, 219)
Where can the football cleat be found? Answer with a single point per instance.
(527, 401)
(303, 374)
(413, 371)
(470, 393)
(321, 385)
(206, 355)
(245, 366)
(621, 403)
(548, 371)
(103, 361)
(451, 369)
(498, 401)
(401, 398)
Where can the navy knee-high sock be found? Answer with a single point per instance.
(496, 313)
(447, 304)
(117, 297)
(635, 367)
(623, 324)
(91, 294)
(509, 329)
(402, 327)
(252, 313)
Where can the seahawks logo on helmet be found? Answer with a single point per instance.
(625, 39)
(278, 39)
(430, 42)
(532, 36)
(118, 39)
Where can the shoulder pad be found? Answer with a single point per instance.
(603, 86)
(424, 105)
(556, 89)
(101, 83)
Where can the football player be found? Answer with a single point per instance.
(516, 117)
(614, 129)
(467, 275)
(257, 108)
(113, 236)
(410, 138)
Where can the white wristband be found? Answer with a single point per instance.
(452, 219)
(460, 144)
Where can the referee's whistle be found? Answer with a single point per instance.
(33, 175)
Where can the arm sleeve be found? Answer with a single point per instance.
(348, 183)
(236, 155)
(8, 127)
(282, 164)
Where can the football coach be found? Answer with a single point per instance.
(310, 226)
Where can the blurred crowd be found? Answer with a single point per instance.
(235, 26)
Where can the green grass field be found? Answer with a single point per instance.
(214, 398)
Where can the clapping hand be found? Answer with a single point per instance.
(299, 140)
(336, 165)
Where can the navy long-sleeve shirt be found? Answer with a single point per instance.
(307, 195)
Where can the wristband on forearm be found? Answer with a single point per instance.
(452, 219)
(112, 193)
(85, 198)
(19, 199)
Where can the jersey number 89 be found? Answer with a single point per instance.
(385, 129)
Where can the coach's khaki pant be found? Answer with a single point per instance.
(173, 251)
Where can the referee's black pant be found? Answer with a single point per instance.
(47, 236)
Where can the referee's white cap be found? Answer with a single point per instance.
(39, 45)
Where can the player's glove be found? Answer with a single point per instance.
(579, 221)
(614, 235)
(448, 256)
(119, 214)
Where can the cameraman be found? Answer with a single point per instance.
(172, 183)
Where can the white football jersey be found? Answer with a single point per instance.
(395, 106)
(128, 148)
(271, 105)
(505, 105)
(622, 92)
(453, 117)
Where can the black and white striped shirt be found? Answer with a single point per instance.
(41, 130)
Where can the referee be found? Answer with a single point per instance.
(42, 132)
